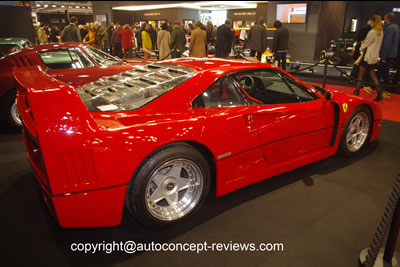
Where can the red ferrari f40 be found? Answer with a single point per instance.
(156, 137)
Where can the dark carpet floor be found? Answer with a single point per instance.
(324, 214)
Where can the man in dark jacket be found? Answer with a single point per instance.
(71, 32)
(138, 36)
(389, 47)
(153, 35)
(225, 36)
(116, 42)
(257, 39)
(110, 30)
(211, 33)
(178, 40)
(280, 45)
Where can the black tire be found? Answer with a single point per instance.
(348, 148)
(337, 60)
(142, 186)
(7, 106)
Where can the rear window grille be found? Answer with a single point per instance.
(134, 88)
(176, 71)
(21, 62)
(127, 74)
(154, 67)
(28, 60)
(140, 70)
(147, 81)
(15, 63)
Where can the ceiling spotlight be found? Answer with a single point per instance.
(62, 6)
(54, 6)
(46, 5)
(38, 5)
(77, 6)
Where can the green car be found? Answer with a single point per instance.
(11, 45)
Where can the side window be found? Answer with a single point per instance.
(266, 86)
(65, 59)
(303, 94)
(222, 93)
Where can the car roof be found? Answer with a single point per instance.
(217, 64)
(51, 46)
(56, 46)
(13, 40)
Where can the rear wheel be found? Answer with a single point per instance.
(169, 187)
(356, 132)
(10, 111)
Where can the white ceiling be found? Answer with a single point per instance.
(200, 5)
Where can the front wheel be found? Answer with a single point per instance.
(169, 187)
(356, 132)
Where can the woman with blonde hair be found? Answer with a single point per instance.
(90, 38)
(372, 45)
(147, 46)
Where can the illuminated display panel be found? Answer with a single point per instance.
(291, 13)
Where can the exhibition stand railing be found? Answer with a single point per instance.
(390, 218)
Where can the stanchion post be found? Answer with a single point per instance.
(393, 235)
(325, 72)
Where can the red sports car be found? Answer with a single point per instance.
(155, 138)
(72, 63)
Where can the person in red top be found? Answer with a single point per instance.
(126, 36)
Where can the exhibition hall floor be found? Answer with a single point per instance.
(324, 214)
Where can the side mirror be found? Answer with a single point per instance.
(329, 96)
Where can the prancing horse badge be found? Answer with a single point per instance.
(344, 105)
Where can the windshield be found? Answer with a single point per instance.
(133, 89)
(320, 90)
(101, 57)
(27, 44)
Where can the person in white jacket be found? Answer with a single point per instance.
(371, 47)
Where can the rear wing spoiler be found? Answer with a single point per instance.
(47, 104)
(58, 124)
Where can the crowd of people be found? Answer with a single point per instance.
(376, 43)
(168, 38)
(93, 34)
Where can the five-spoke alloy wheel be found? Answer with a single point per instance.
(356, 132)
(169, 186)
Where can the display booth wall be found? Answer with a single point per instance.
(11, 17)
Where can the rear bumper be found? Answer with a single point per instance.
(96, 208)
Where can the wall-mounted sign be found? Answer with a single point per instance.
(244, 13)
(396, 9)
(152, 14)
(54, 21)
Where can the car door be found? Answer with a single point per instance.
(228, 132)
(290, 119)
